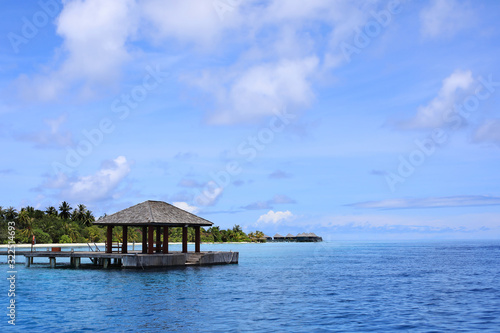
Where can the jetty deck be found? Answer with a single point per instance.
(133, 259)
(154, 218)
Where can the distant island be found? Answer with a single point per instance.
(75, 225)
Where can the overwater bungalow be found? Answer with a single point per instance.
(302, 237)
(278, 238)
(308, 237)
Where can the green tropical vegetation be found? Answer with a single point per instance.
(65, 224)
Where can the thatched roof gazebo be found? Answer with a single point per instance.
(151, 215)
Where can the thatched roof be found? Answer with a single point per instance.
(289, 236)
(153, 213)
(309, 234)
(278, 236)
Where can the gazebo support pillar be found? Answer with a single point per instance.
(165, 240)
(184, 239)
(151, 230)
(125, 240)
(144, 239)
(109, 239)
(158, 239)
(197, 239)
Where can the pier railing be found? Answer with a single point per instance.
(92, 249)
(116, 247)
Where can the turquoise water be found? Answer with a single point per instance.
(293, 287)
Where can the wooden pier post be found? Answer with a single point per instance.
(184, 239)
(165, 240)
(52, 262)
(28, 262)
(145, 239)
(109, 239)
(125, 236)
(158, 239)
(151, 242)
(75, 262)
(197, 239)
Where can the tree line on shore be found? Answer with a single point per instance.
(75, 225)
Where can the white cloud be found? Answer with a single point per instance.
(489, 131)
(340, 18)
(451, 93)
(99, 185)
(95, 34)
(272, 217)
(269, 87)
(185, 21)
(296, 10)
(278, 49)
(433, 202)
(445, 18)
(290, 20)
(209, 195)
(185, 206)
(54, 137)
(288, 47)
(58, 181)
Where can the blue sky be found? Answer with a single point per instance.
(351, 119)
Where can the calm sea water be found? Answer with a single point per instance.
(290, 287)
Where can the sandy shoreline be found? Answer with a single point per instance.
(98, 244)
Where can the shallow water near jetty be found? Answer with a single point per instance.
(295, 287)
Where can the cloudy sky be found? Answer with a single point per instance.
(351, 119)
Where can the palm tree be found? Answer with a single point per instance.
(82, 208)
(30, 210)
(10, 214)
(79, 213)
(75, 215)
(70, 230)
(27, 223)
(215, 231)
(88, 218)
(237, 234)
(65, 210)
(51, 210)
(2, 213)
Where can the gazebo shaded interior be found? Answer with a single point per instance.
(150, 216)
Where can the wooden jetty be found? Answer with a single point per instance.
(134, 259)
(151, 216)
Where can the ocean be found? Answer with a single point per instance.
(447, 286)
